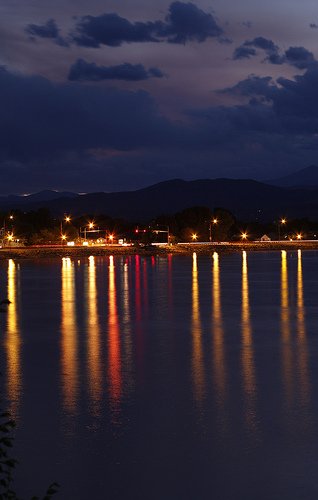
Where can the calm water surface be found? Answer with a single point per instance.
(164, 378)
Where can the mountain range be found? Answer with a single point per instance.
(295, 195)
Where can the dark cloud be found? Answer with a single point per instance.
(112, 30)
(247, 49)
(243, 52)
(184, 22)
(41, 119)
(293, 103)
(313, 26)
(253, 86)
(84, 71)
(299, 57)
(263, 43)
(48, 30)
(46, 128)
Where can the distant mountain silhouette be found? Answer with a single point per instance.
(247, 199)
(15, 201)
(306, 177)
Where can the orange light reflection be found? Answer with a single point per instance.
(248, 366)
(13, 341)
(114, 361)
(287, 361)
(218, 333)
(93, 331)
(197, 351)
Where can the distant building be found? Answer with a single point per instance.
(265, 238)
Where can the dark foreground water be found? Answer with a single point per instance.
(164, 378)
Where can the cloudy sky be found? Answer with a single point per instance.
(120, 94)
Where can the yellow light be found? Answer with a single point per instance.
(111, 237)
(10, 237)
(11, 217)
(299, 236)
(283, 221)
(91, 225)
(63, 237)
(194, 236)
(244, 236)
(67, 218)
(215, 221)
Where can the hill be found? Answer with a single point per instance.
(306, 177)
(247, 199)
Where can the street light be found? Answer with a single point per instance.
(90, 226)
(4, 230)
(194, 237)
(299, 236)
(214, 221)
(67, 219)
(10, 237)
(281, 222)
(244, 236)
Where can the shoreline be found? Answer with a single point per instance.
(179, 249)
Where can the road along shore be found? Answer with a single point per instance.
(184, 248)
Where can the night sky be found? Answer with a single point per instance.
(121, 94)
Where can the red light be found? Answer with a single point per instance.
(144, 230)
(136, 230)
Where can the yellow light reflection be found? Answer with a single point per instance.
(13, 341)
(93, 336)
(69, 346)
(248, 365)
(287, 361)
(218, 333)
(302, 337)
(114, 361)
(197, 351)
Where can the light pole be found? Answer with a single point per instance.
(4, 228)
(214, 221)
(89, 227)
(66, 219)
(163, 231)
(280, 222)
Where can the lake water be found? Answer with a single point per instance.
(164, 378)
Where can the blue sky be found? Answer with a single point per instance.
(118, 95)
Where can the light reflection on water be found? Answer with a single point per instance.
(302, 347)
(248, 368)
(69, 338)
(197, 356)
(94, 375)
(114, 361)
(218, 335)
(13, 340)
(207, 356)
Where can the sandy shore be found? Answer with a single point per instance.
(207, 248)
